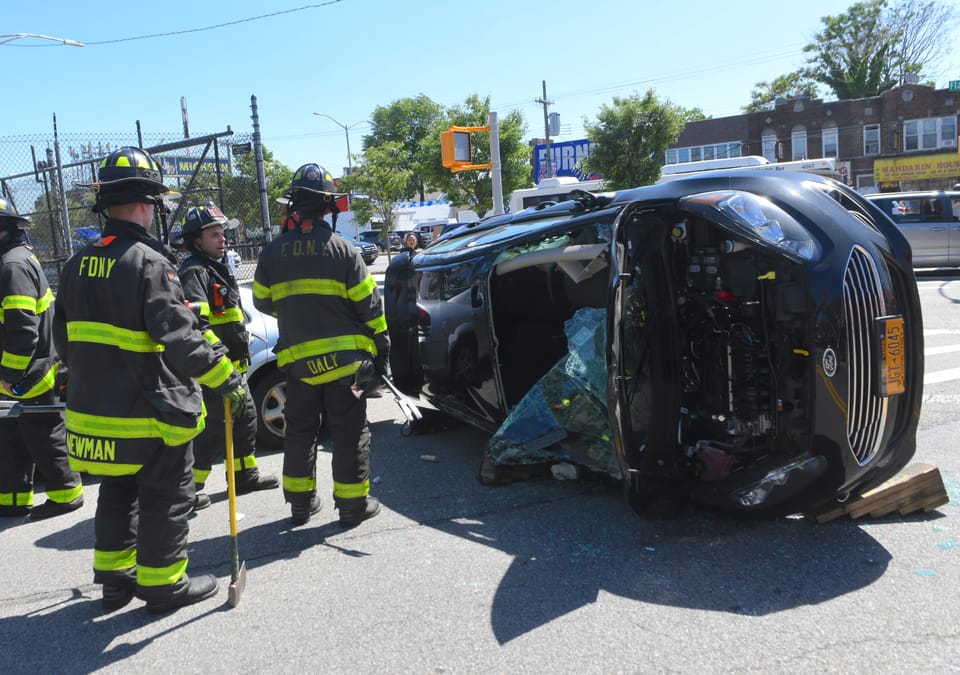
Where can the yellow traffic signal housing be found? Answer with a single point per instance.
(456, 149)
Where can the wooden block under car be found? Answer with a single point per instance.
(917, 487)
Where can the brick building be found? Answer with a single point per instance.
(903, 139)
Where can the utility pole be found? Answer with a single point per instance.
(548, 171)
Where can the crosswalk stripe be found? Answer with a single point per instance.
(946, 349)
(942, 376)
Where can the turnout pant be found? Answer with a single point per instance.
(141, 525)
(35, 440)
(345, 416)
(210, 445)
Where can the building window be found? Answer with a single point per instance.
(768, 145)
(830, 140)
(931, 133)
(798, 142)
(871, 139)
(699, 152)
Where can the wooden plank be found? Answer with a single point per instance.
(918, 486)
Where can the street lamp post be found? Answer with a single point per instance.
(10, 37)
(346, 131)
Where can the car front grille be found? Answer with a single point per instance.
(863, 303)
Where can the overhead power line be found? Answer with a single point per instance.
(219, 25)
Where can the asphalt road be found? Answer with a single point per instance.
(538, 576)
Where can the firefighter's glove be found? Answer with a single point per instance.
(238, 399)
(366, 379)
(381, 363)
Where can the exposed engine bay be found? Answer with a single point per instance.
(715, 329)
(712, 331)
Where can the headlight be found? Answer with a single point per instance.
(757, 219)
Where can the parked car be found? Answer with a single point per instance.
(368, 252)
(381, 240)
(763, 337)
(929, 220)
(267, 383)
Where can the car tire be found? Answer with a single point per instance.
(269, 395)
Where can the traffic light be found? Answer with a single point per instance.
(456, 149)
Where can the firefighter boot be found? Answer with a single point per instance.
(117, 596)
(300, 513)
(195, 590)
(50, 508)
(356, 510)
(251, 480)
(200, 499)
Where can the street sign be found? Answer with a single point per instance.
(241, 148)
(954, 85)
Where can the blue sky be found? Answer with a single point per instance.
(345, 57)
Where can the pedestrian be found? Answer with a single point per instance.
(211, 289)
(332, 344)
(137, 359)
(400, 302)
(28, 372)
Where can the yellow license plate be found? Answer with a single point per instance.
(892, 350)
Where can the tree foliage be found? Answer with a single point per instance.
(853, 53)
(791, 85)
(407, 121)
(631, 136)
(474, 189)
(872, 47)
(380, 180)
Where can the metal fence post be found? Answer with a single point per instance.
(261, 177)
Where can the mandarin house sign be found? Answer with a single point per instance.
(920, 167)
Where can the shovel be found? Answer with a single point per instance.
(238, 571)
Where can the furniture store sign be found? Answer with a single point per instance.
(921, 167)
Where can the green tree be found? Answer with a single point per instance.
(474, 189)
(786, 86)
(407, 121)
(695, 115)
(631, 136)
(379, 181)
(853, 53)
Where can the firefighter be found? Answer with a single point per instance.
(212, 292)
(137, 359)
(333, 341)
(28, 371)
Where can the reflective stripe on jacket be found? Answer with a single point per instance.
(221, 313)
(27, 357)
(328, 308)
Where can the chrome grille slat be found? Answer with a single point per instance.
(863, 303)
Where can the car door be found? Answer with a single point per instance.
(922, 222)
(951, 210)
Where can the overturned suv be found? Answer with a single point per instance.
(763, 339)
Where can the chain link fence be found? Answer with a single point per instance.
(43, 178)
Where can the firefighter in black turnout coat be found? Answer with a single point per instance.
(211, 291)
(28, 370)
(136, 356)
(333, 342)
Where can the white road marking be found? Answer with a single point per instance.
(942, 376)
(946, 349)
